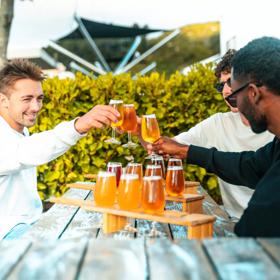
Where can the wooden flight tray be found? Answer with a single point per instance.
(191, 202)
(114, 219)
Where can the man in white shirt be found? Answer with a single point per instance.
(21, 98)
(228, 132)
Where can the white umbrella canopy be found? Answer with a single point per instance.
(37, 22)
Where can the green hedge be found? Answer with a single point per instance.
(178, 102)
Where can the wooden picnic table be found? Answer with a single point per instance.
(67, 243)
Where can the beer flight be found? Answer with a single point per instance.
(128, 187)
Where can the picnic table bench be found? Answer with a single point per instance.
(68, 243)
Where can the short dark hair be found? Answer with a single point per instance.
(18, 69)
(225, 64)
(259, 62)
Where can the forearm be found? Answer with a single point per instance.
(37, 149)
(235, 168)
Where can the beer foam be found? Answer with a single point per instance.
(175, 168)
(128, 105)
(129, 177)
(152, 178)
(149, 166)
(175, 159)
(151, 116)
(134, 164)
(106, 174)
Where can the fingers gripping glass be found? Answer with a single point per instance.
(220, 86)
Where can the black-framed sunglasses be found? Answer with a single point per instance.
(232, 98)
(220, 86)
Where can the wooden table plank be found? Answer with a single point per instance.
(57, 259)
(168, 260)
(240, 258)
(272, 246)
(115, 259)
(11, 251)
(223, 226)
(52, 223)
(84, 223)
(144, 230)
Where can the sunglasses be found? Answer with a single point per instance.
(220, 86)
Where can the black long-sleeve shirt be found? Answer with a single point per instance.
(258, 170)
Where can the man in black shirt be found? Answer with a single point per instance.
(255, 87)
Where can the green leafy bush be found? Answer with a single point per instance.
(179, 103)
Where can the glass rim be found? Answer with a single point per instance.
(150, 116)
(145, 178)
(114, 163)
(174, 159)
(129, 176)
(106, 174)
(115, 101)
(153, 166)
(175, 168)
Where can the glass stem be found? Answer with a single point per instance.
(113, 132)
(129, 137)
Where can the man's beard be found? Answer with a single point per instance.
(258, 124)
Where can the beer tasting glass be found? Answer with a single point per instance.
(153, 170)
(153, 199)
(150, 130)
(115, 167)
(129, 192)
(158, 160)
(105, 189)
(118, 105)
(135, 168)
(129, 123)
(174, 162)
(175, 182)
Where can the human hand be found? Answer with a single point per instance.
(98, 117)
(168, 147)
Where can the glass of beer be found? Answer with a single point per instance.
(118, 105)
(105, 189)
(175, 182)
(174, 162)
(135, 168)
(150, 130)
(129, 192)
(158, 160)
(153, 170)
(129, 123)
(153, 199)
(115, 167)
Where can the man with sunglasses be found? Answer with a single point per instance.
(227, 132)
(256, 93)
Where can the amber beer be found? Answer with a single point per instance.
(153, 170)
(105, 189)
(135, 168)
(129, 118)
(153, 200)
(129, 192)
(149, 128)
(117, 105)
(175, 182)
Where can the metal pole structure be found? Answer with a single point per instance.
(76, 58)
(92, 44)
(128, 55)
(150, 51)
(145, 70)
(77, 67)
(48, 58)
